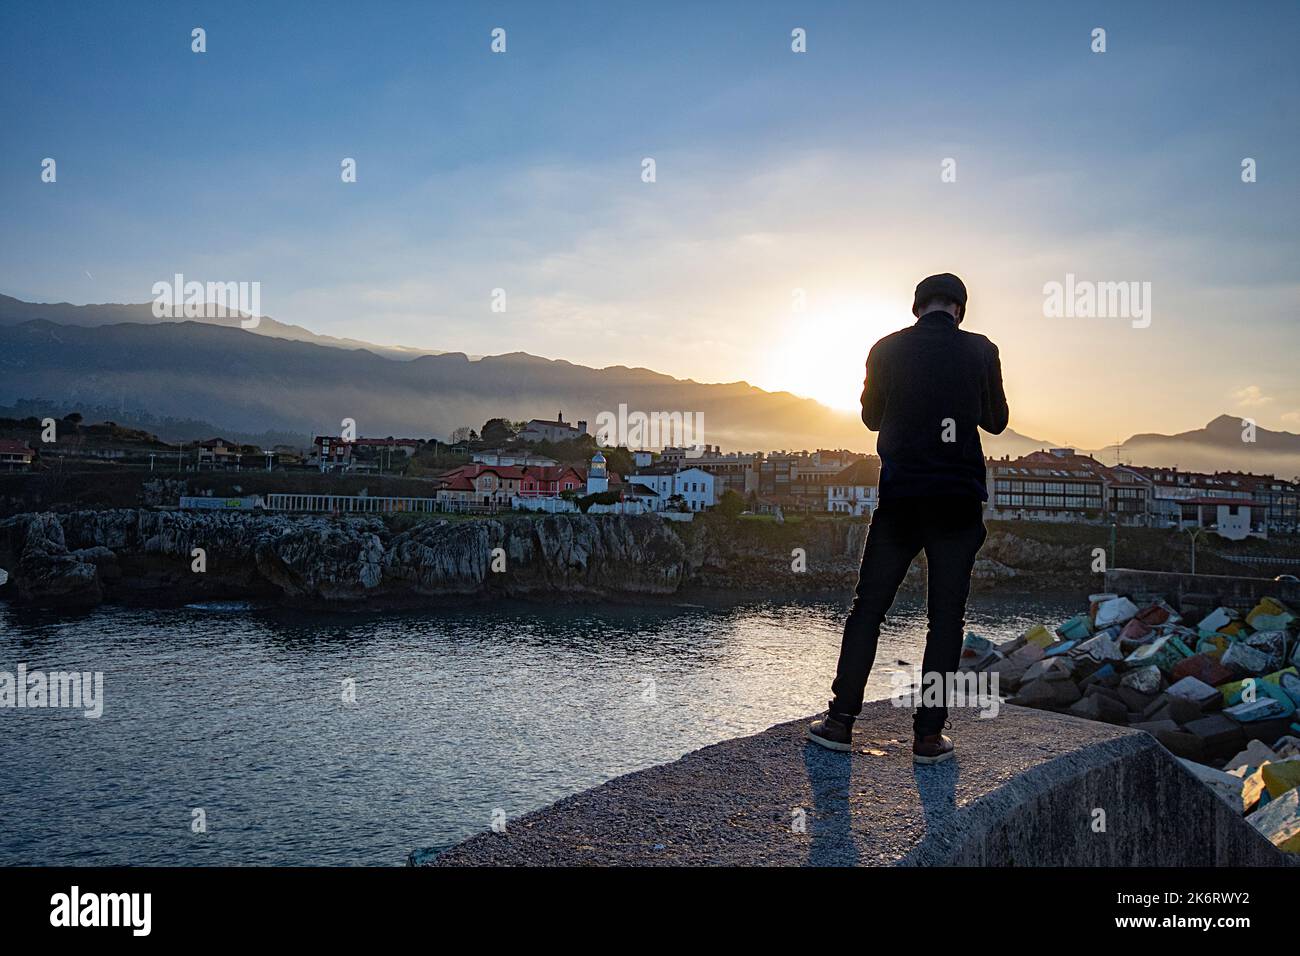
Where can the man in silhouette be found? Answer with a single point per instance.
(928, 390)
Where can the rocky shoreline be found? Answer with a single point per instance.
(149, 556)
(131, 555)
(1220, 690)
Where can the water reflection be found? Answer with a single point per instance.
(240, 711)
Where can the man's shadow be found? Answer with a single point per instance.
(936, 785)
(830, 831)
(830, 824)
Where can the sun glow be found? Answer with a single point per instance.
(823, 354)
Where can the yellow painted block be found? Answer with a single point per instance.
(1229, 691)
(1268, 606)
(1040, 635)
(1253, 787)
(1279, 776)
(1279, 821)
(1232, 628)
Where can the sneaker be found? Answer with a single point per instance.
(832, 733)
(932, 748)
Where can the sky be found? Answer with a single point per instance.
(797, 198)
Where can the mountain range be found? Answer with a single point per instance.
(16, 311)
(1224, 444)
(285, 378)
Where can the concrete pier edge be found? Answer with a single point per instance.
(1027, 788)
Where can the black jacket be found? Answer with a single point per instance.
(929, 387)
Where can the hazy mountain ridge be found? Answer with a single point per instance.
(1219, 446)
(16, 311)
(254, 382)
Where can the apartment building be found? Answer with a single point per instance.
(1052, 485)
(735, 471)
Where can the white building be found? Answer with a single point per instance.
(632, 506)
(693, 485)
(1233, 522)
(855, 490)
(541, 429)
(507, 458)
(1231, 518)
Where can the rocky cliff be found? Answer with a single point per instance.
(90, 556)
(144, 555)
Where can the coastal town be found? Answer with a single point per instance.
(554, 465)
(585, 442)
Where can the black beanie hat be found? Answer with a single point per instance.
(943, 286)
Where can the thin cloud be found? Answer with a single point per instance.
(1251, 397)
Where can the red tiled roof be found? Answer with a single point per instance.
(476, 469)
(10, 446)
(552, 472)
(1045, 464)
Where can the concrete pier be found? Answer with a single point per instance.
(1027, 788)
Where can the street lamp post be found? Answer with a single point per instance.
(1194, 533)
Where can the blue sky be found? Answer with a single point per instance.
(775, 171)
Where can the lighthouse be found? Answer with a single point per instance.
(597, 475)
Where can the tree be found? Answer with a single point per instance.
(571, 451)
(619, 460)
(463, 434)
(497, 431)
(731, 504)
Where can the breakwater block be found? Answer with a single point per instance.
(1026, 788)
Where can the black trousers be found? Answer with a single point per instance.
(950, 530)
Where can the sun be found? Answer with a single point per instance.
(823, 354)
